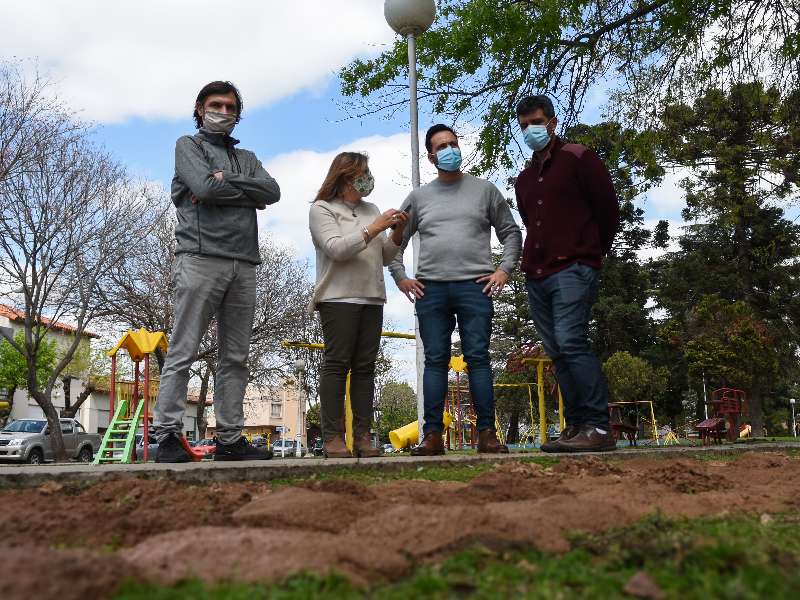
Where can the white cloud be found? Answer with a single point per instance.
(116, 60)
(667, 200)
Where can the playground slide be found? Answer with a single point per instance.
(196, 456)
(408, 435)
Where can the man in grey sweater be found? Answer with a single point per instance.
(216, 190)
(455, 281)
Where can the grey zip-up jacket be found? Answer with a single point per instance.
(218, 218)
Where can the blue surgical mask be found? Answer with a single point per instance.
(536, 136)
(448, 159)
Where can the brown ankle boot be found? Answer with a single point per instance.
(489, 444)
(363, 448)
(431, 445)
(334, 447)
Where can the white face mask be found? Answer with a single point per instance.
(218, 122)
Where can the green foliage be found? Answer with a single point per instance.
(313, 415)
(397, 406)
(482, 56)
(14, 368)
(631, 378)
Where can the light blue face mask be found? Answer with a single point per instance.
(449, 159)
(536, 136)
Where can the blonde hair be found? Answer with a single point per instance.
(345, 167)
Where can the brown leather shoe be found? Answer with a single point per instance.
(489, 444)
(334, 447)
(589, 439)
(363, 448)
(432, 445)
(570, 431)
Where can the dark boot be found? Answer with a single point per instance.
(334, 447)
(241, 449)
(589, 439)
(570, 431)
(489, 444)
(170, 450)
(363, 448)
(431, 445)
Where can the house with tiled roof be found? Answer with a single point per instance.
(23, 406)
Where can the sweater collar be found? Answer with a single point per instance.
(218, 139)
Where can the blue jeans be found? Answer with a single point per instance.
(437, 311)
(561, 306)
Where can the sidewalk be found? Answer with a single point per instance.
(14, 476)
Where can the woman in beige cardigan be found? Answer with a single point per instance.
(352, 248)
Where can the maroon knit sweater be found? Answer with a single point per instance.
(569, 207)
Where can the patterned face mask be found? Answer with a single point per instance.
(364, 184)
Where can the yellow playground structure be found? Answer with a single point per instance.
(130, 402)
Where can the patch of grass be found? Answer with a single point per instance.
(451, 472)
(740, 558)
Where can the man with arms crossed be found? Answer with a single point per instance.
(454, 215)
(216, 190)
(569, 207)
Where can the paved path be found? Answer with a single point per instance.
(12, 476)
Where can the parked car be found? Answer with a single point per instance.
(260, 441)
(152, 446)
(287, 447)
(28, 440)
(317, 448)
(207, 446)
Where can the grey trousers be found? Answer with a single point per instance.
(352, 335)
(205, 286)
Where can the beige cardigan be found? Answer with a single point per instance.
(348, 267)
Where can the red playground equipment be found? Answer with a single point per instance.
(725, 407)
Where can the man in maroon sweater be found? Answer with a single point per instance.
(570, 210)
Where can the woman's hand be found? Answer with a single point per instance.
(385, 220)
(399, 226)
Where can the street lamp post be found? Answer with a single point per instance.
(411, 18)
(794, 422)
(299, 369)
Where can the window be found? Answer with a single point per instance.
(276, 411)
(66, 426)
(79, 428)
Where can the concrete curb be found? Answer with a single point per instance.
(12, 476)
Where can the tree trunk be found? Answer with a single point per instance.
(56, 439)
(69, 412)
(756, 410)
(512, 436)
(201, 405)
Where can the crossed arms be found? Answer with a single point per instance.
(221, 187)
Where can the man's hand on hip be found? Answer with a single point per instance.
(494, 282)
(412, 289)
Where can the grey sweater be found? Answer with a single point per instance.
(454, 222)
(218, 218)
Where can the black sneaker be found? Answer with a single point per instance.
(241, 450)
(170, 450)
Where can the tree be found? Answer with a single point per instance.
(742, 149)
(632, 379)
(396, 406)
(14, 369)
(68, 215)
(482, 56)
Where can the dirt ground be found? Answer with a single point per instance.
(67, 543)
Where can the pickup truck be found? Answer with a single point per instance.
(28, 440)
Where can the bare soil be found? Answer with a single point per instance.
(68, 543)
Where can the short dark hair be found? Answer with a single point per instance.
(438, 128)
(217, 87)
(533, 103)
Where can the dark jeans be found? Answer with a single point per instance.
(437, 311)
(352, 334)
(561, 306)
